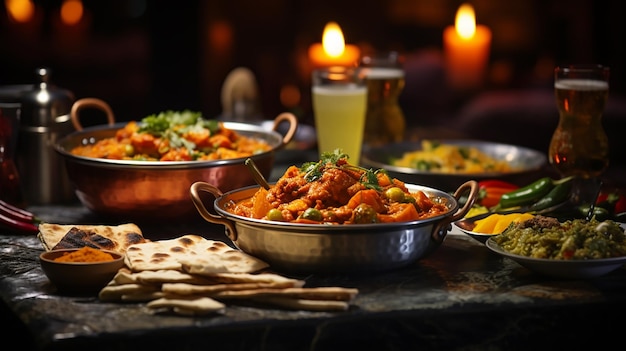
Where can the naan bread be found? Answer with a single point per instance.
(215, 256)
(188, 306)
(208, 290)
(66, 236)
(168, 276)
(191, 275)
(234, 278)
(330, 293)
(302, 304)
(116, 292)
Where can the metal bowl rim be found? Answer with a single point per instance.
(351, 229)
(481, 144)
(237, 126)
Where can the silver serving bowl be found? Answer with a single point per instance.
(158, 190)
(528, 163)
(310, 248)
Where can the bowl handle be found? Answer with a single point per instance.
(90, 102)
(195, 190)
(293, 125)
(441, 228)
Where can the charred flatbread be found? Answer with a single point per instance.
(67, 236)
(170, 254)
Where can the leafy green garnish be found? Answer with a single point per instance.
(172, 125)
(314, 170)
(465, 152)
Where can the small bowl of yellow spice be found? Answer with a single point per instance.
(80, 271)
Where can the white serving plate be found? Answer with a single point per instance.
(570, 269)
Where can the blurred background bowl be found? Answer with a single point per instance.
(79, 277)
(529, 163)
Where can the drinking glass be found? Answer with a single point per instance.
(339, 97)
(579, 145)
(384, 75)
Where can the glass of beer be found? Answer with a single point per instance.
(384, 75)
(339, 96)
(579, 145)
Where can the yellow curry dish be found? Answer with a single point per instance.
(173, 136)
(333, 191)
(439, 157)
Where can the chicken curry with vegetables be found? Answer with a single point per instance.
(173, 136)
(333, 191)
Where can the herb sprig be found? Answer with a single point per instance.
(314, 170)
(172, 125)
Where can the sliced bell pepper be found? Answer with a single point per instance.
(491, 190)
(613, 201)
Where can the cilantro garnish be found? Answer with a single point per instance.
(172, 125)
(337, 159)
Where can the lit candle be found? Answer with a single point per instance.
(333, 51)
(466, 50)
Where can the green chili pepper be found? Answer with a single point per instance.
(527, 194)
(599, 213)
(558, 194)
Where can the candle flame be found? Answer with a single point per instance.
(20, 10)
(465, 22)
(71, 11)
(332, 40)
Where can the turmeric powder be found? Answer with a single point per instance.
(86, 254)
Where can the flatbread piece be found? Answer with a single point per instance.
(190, 306)
(68, 236)
(215, 256)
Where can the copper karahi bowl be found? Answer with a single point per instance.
(159, 190)
(343, 248)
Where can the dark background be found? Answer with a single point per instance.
(143, 57)
(147, 56)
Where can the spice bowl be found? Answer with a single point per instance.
(79, 277)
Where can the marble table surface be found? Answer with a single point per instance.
(462, 296)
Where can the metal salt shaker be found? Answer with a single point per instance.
(44, 119)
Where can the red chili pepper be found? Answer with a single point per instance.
(496, 183)
(15, 212)
(491, 190)
(19, 226)
(613, 201)
(17, 219)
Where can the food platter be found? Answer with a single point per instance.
(315, 248)
(481, 237)
(134, 189)
(568, 269)
(527, 163)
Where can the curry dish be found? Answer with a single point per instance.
(332, 191)
(173, 136)
(451, 159)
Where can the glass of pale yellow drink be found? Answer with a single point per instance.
(339, 96)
